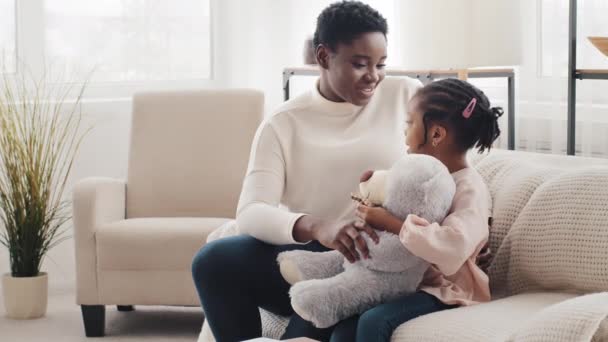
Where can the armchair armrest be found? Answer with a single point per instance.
(95, 201)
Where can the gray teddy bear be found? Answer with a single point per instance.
(326, 288)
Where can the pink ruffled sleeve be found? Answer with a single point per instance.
(460, 235)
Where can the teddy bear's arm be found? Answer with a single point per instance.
(357, 197)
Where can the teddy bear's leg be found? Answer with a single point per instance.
(301, 265)
(325, 302)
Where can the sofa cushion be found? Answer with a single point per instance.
(147, 287)
(523, 196)
(152, 243)
(560, 239)
(493, 321)
(511, 183)
(577, 319)
(513, 176)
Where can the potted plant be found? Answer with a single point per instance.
(40, 133)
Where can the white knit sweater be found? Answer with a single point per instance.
(308, 157)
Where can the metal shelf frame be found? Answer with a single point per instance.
(426, 76)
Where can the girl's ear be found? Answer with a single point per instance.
(438, 135)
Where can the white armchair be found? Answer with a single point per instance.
(135, 239)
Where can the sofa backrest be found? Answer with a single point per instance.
(189, 150)
(550, 221)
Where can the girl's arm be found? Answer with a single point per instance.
(449, 245)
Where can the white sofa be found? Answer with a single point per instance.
(135, 239)
(550, 238)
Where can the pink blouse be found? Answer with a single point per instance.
(452, 247)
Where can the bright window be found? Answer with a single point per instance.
(7, 36)
(129, 40)
(554, 20)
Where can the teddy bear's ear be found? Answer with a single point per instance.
(374, 189)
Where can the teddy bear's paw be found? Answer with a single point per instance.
(309, 300)
(299, 303)
(289, 270)
(296, 266)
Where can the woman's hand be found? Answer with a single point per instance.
(484, 258)
(345, 238)
(379, 218)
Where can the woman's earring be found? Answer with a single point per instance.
(434, 144)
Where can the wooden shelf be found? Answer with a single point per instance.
(394, 71)
(591, 74)
(426, 76)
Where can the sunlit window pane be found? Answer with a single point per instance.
(130, 40)
(7, 36)
(591, 20)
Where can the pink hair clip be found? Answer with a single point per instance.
(470, 108)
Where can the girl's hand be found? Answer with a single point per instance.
(374, 216)
(379, 218)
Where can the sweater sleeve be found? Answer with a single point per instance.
(449, 245)
(258, 213)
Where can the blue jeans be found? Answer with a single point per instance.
(378, 323)
(235, 276)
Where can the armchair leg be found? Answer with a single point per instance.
(94, 317)
(125, 308)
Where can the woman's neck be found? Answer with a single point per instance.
(326, 91)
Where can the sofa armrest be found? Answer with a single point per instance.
(95, 201)
(577, 319)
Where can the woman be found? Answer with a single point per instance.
(307, 157)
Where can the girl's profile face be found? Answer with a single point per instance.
(436, 134)
(356, 69)
(414, 128)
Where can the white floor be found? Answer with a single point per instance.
(63, 322)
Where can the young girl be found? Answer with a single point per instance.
(445, 120)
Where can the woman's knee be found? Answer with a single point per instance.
(205, 259)
(213, 259)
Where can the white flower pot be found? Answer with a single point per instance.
(25, 298)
